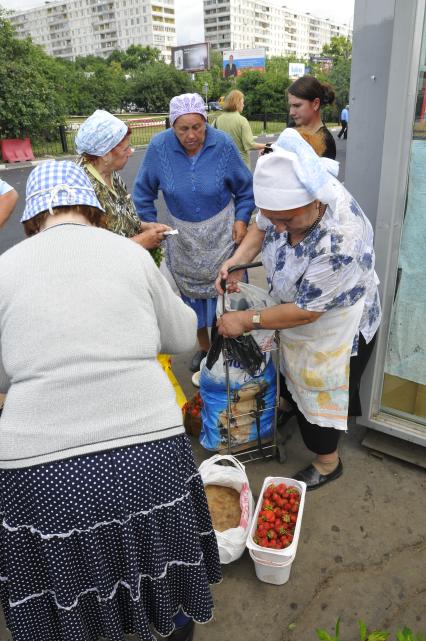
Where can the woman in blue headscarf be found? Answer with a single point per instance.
(103, 142)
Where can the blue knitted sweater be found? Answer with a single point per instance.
(194, 188)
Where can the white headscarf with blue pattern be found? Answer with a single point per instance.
(316, 175)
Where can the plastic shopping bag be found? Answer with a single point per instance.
(252, 394)
(232, 542)
(249, 395)
(166, 363)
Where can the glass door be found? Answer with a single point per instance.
(404, 383)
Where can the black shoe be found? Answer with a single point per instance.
(315, 479)
(196, 361)
(185, 633)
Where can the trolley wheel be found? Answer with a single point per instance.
(281, 453)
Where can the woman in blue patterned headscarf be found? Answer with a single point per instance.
(317, 249)
(103, 142)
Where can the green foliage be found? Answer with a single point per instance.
(339, 47)
(30, 97)
(265, 92)
(153, 87)
(340, 50)
(376, 635)
(135, 57)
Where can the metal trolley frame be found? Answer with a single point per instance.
(262, 450)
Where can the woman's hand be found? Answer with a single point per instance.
(151, 236)
(157, 226)
(233, 324)
(239, 231)
(232, 279)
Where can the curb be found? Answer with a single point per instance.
(31, 163)
(19, 165)
(34, 163)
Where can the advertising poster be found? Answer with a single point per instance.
(191, 58)
(296, 70)
(235, 62)
(326, 64)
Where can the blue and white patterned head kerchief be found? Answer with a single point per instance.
(100, 133)
(57, 184)
(186, 103)
(316, 175)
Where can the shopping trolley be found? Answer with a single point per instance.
(242, 413)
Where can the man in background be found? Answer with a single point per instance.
(230, 68)
(344, 120)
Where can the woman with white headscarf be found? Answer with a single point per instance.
(317, 249)
(103, 142)
(209, 196)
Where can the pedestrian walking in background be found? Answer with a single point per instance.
(344, 121)
(8, 199)
(105, 524)
(103, 142)
(306, 96)
(237, 126)
(209, 196)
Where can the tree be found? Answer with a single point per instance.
(338, 47)
(340, 50)
(266, 92)
(98, 83)
(30, 103)
(153, 86)
(135, 57)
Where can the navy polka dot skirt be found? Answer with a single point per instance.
(106, 544)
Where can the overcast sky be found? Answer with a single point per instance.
(189, 13)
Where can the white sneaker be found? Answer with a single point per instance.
(196, 379)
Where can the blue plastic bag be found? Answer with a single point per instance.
(249, 394)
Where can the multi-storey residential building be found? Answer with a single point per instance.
(250, 24)
(71, 28)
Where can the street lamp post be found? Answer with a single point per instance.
(206, 90)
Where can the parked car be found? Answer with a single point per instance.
(214, 106)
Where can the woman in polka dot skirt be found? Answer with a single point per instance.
(105, 526)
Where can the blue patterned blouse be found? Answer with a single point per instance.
(332, 267)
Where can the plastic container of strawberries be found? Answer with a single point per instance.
(267, 555)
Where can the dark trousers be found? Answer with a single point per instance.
(344, 129)
(324, 440)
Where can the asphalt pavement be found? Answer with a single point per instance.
(17, 174)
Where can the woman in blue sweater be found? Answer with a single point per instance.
(209, 196)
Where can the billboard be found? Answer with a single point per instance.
(325, 63)
(191, 58)
(234, 62)
(296, 70)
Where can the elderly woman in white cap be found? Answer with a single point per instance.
(209, 195)
(105, 525)
(103, 141)
(317, 249)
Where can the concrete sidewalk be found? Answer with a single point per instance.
(361, 553)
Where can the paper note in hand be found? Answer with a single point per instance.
(172, 232)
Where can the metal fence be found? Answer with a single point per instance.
(144, 128)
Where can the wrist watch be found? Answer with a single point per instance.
(256, 320)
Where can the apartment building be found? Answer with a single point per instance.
(250, 24)
(71, 28)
